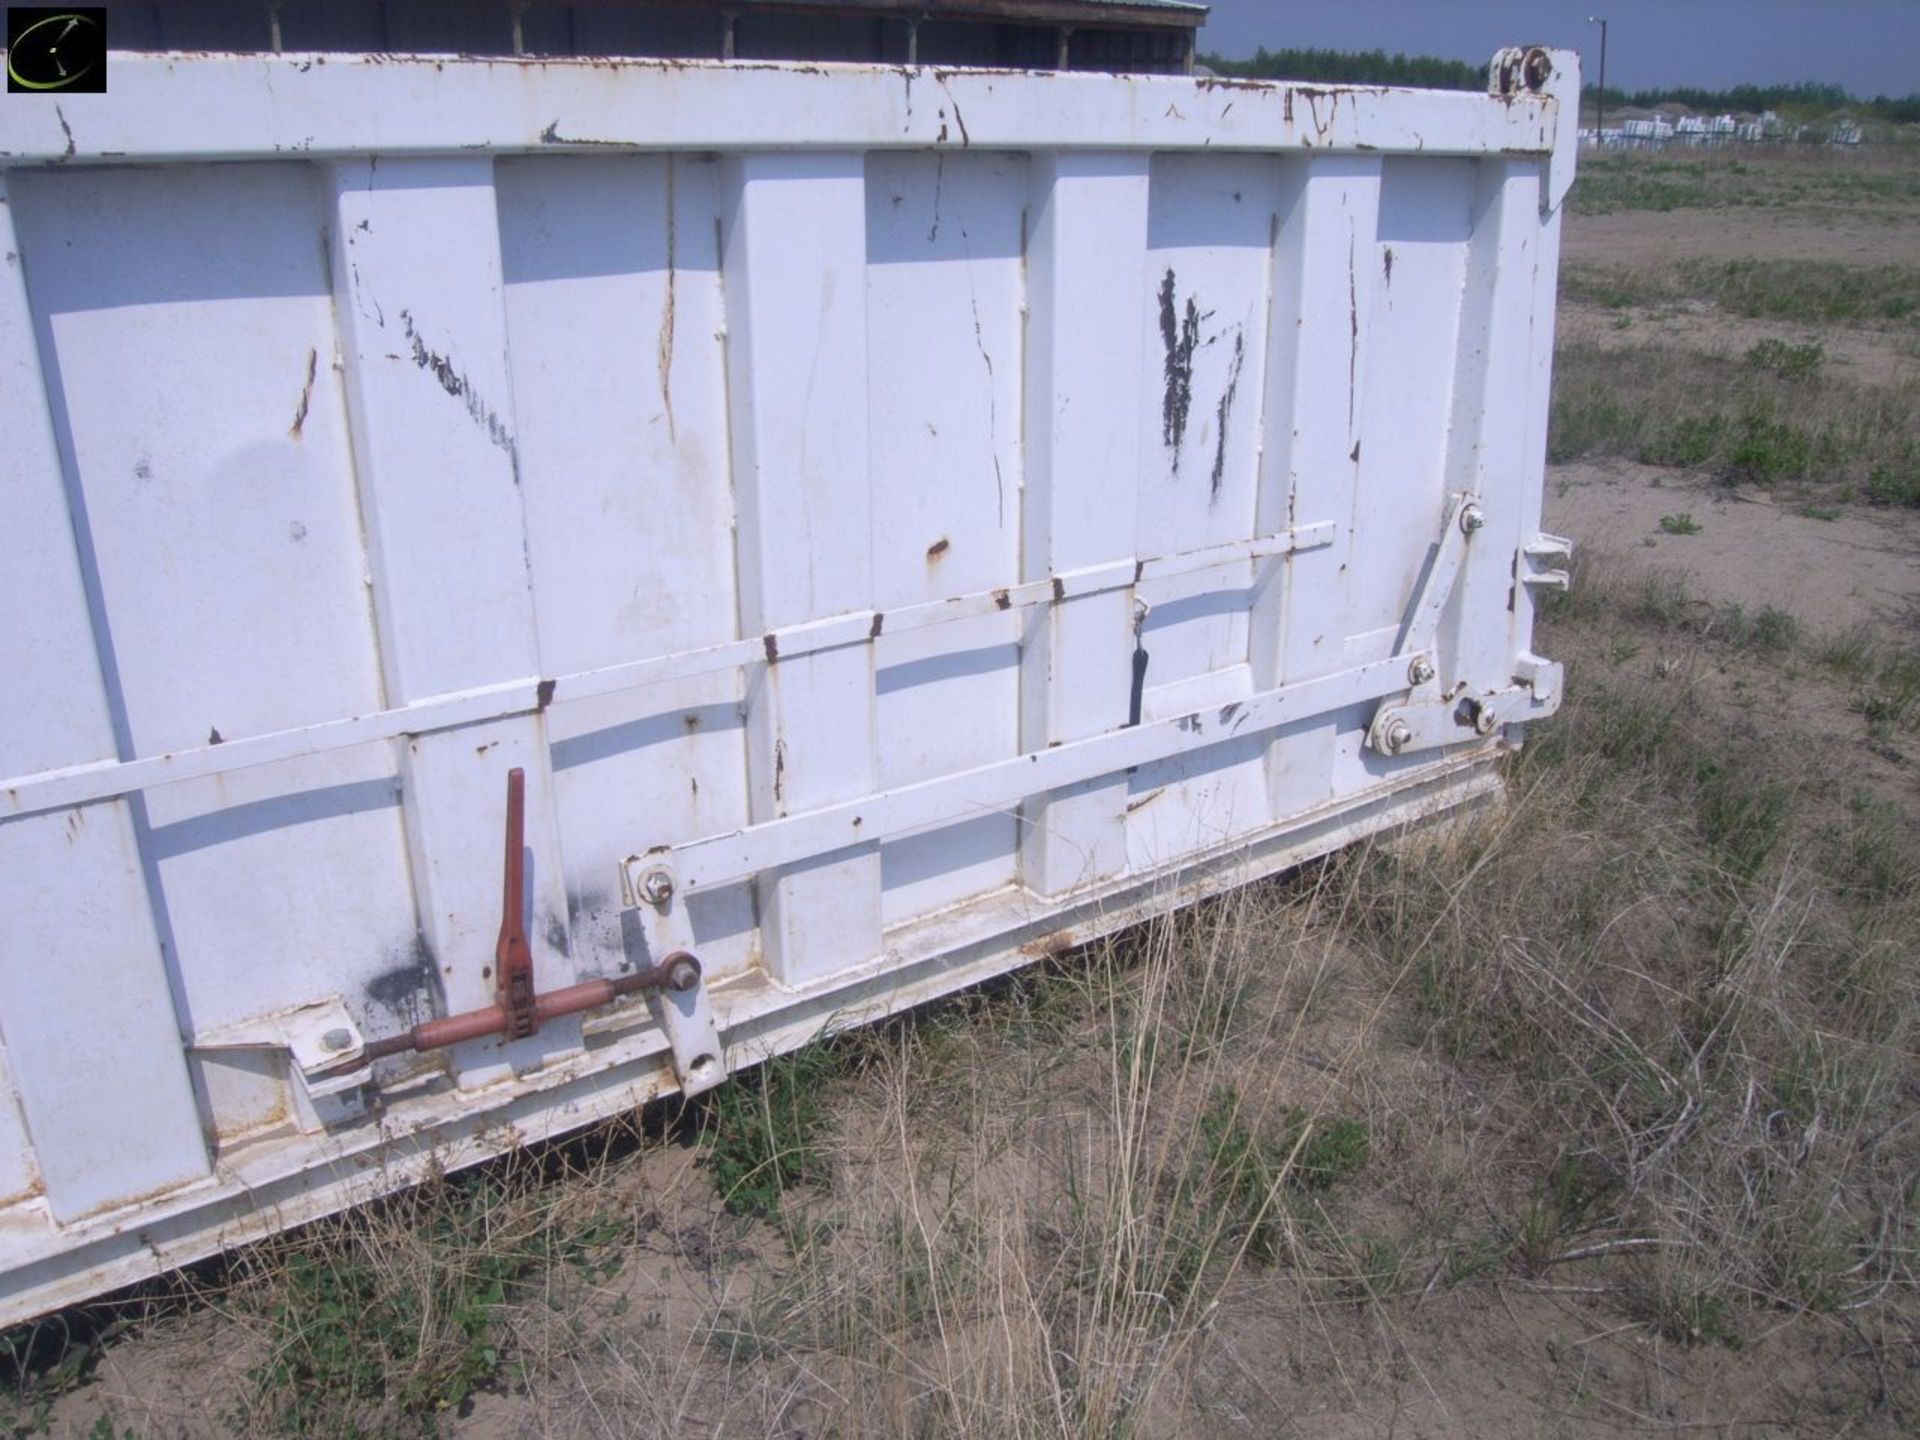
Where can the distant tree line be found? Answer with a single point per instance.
(1430, 72)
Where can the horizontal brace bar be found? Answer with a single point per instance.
(103, 779)
(736, 855)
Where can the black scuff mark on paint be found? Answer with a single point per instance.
(958, 118)
(214, 737)
(306, 395)
(1059, 589)
(1003, 600)
(363, 299)
(456, 384)
(401, 989)
(555, 931)
(1180, 334)
(939, 189)
(779, 772)
(939, 548)
(552, 136)
(772, 647)
(1388, 262)
(1225, 412)
(60, 115)
(667, 314)
(1353, 323)
(879, 621)
(1354, 454)
(543, 693)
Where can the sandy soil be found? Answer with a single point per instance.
(1862, 567)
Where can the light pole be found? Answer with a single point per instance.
(1600, 98)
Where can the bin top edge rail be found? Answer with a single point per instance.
(324, 104)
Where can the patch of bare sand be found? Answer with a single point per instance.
(1831, 575)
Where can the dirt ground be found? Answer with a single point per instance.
(1541, 1352)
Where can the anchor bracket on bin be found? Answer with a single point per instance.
(659, 900)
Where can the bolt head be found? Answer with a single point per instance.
(1472, 518)
(1486, 722)
(656, 887)
(1397, 737)
(1420, 672)
(336, 1040)
(683, 974)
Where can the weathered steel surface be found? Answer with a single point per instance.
(898, 522)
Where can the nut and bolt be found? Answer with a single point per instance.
(1472, 518)
(1486, 722)
(683, 973)
(1420, 672)
(1396, 737)
(336, 1040)
(656, 887)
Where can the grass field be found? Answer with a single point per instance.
(1595, 1113)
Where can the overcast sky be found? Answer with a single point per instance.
(1869, 46)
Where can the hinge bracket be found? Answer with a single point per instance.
(685, 1015)
(1428, 717)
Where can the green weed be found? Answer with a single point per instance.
(763, 1131)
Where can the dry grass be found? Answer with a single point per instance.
(1769, 417)
(1816, 178)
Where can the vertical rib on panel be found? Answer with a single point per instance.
(1532, 459)
(794, 270)
(945, 289)
(1085, 291)
(423, 339)
(1209, 239)
(1487, 450)
(1329, 212)
(614, 313)
(89, 1021)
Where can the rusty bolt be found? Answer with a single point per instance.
(1537, 69)
(1420, 672)
(336, 1040)
(1396, 737)
(683, 972)
(656, 887)
(1472, 518)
